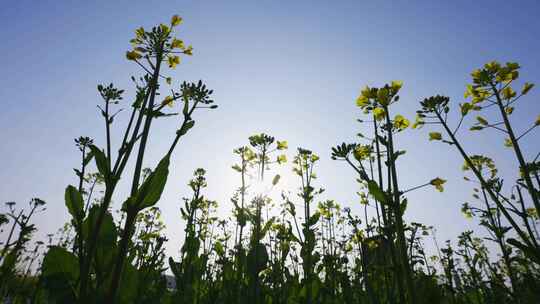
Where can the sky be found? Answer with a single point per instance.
(291, 69)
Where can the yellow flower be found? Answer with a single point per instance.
(383, 96)
(401, 122)
(482, 120)
(282, 145)
(282, 159)
(508, 93)
(418, 122)
(177, 44)
(493, 66)
(366, 92)
(469, 91)
(476, 74)
(508, 142)
(176, 20)
(531, 212)
(526, 88)
(133, 55)
(435, 136)
(512, 66)
(396, 85)
(139, 33)
(438, 183)
(165, 28)
(379, 113)
(189, 50)
(479, 95)
(314, 158)
(465, 108)
(362, 101)
(173, 61)
(466, 210)
(362, 152)
(168, 101)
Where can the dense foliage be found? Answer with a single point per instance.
(297, 248)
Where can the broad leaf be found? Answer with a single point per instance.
(150, 191)
(60, 272)
(101, 161)
(74, 203)
(376, 192)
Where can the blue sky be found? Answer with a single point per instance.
(288, 68)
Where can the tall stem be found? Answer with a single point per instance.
(484, 184)
(517, 149)
(132, 214)
(397, 213)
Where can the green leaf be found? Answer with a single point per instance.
(127, 291)
(175, 268)
(101, 161)
(60, 272)
(403, 206)
(527, 250)
(218, 247)
(376, 192)
(128, 203)
(150, 191)
(185, 127)
(107, 233)
(74, 203)
(267, 227)
(88, 158)
(314, 219)
(257, 258)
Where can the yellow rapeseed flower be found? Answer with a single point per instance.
(435, 136)
(133, 55)
(438, 183)
(379, 113)
(168, 101)
(173, 61)
(189, 50)
(177, 44)
(401, 122)
(139, 33)
(176, 20)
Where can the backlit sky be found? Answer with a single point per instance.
(288, 68)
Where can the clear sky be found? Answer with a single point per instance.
(288, 68)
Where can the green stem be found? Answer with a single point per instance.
(517, 149)
(398, 215)
(484, 184)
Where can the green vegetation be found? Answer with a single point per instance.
(295, 249)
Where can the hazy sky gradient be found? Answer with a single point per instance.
(288, 68)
